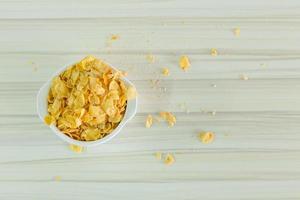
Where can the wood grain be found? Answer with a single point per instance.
(257, 148)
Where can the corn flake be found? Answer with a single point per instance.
(165, 71)
(75, 148)
(169, 159)
(213, 52)
(88, 100)
(206, 137)
(169, 117)
(149, 121)
(184, 63)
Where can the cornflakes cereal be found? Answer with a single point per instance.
(169, 117)
(149, 121)
(75, 148)
(214, 52)
(184, 63)
(169, 159)
(206, 137)
(88, 100)
(165, 71)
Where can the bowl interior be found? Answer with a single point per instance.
(42, 106)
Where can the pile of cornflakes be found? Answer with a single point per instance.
(88, 100)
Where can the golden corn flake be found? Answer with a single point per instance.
(169, 159)
(184, 63)
(213, 52)
(75, 148)
(88, 100)
(149, 121)
(48, 120)
(206, 137)
(57, 178)
(114, 37)
(165, 71)
(169, 117)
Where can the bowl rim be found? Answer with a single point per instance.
(42, 94)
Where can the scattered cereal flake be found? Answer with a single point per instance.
(237, 31)
(244, 77)
(206, 137)
(48, 119)
(165, 71)
(150, 58)
(149, 121)
(114, 37)
(213, 52)
(57, 178)
(75, 148)
(169, 117)
(158, 155)
(184, 62)
(131, 93)
(169, 159)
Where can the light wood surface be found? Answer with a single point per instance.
(256, 153)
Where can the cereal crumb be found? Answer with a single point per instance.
(114, 37)
(244, 77)
(169, 117)
(169, 159)
(57, 178)
(150, 58)
(184, 63)
(237, 31)
(158, 155)
(213, 52)
(165, 71)
(213, 85)
(149, 121)
(48, 119)
(206, 137)
(75, 148)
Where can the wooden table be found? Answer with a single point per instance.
(256, 152)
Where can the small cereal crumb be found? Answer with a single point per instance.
(237, 31)
(213, 85)
(206, 137)
(165, 71)
(57, 178)
(158, 155)
(184, 63)
(244, 77)
(48, 119)
(213, 52)
(169, 117)
(114, 37)
(75, 148)
(150, 58)
(149, 121)
(169, 159)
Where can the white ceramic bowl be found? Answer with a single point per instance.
(42, 106)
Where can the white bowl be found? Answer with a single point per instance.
(42, 109)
